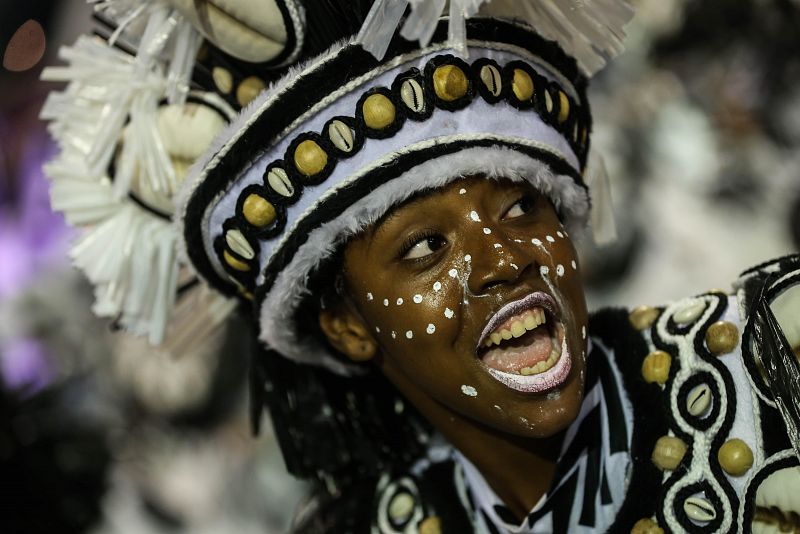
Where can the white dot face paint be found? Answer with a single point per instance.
(369, 296)
(550, 239)
(462, 191)
(536, 242)
(448, 313)
(469, 391)
(583, 332)
(394, 334)
(453, 273)
(560, 270)
(474, 216)
(409, 334)
(518, 241)
(497, 245)
(431, 328)
(514, 266)
(544, 270)
(437, 286)
(487, 231)
(417, 299)
(400, 301)
(467, 258)
(574, 265)
(559, 234)
(385, 302)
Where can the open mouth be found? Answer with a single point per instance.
(524, 345)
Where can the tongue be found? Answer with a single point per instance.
(515, 354)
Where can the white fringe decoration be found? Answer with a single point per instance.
(108, 114)
(604, 228)
(591, 31)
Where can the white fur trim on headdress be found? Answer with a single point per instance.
(278, 329)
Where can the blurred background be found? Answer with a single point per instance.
(699, 123)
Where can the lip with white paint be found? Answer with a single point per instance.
(511, 344)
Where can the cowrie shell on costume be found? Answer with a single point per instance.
(698, 400)
(449, 82)
(258, 211)
(222, 79)
(341, 136)
(412, 96)
(279, 181)
(239, 244)
(490, 77)
(690, 312)
(699, 509)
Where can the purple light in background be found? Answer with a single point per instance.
(24, 365)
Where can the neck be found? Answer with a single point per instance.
(519, 470)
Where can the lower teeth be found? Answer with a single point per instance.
(543, 365)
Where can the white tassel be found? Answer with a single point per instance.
(604, 229)
(592, 33)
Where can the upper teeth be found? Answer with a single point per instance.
(526, 321)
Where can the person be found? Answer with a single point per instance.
(400, 216)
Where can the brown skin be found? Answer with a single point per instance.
(513, 438)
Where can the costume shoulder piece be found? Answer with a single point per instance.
(726, 372)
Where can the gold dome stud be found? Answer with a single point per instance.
(249, 89)
(449, 82)
(522, 85)
(735, 457)
(379, 112)
(430, 525)
(646, 526)
(668, 452)
(258, 211)
(722, 337)
(309, 158)
(563, 110)
(234, 262)
(655, 367)
(643, 317)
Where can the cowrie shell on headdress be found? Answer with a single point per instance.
(279, 182)
(258, 211)
(412, 96)
(239, 244)
(222, 79)
(341, 136)
(490, 76)
(699, 509)
(548, 101)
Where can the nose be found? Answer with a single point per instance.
(496, 265)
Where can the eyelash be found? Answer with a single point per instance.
(412, 240)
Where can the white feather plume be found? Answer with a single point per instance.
(591, 31)
(108, 116)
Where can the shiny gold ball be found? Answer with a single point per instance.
(646, 526)
(668, 452)
(643, 317)
(258, 211)
(655, 367)
(563, 110)
(735, 457)
(450, 83)
(722, 337)
(522, 85)
(309, 158)
(430, 525)
(249, 89)
(235, 263)
(379, 111)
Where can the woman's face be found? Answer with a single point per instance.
(473, 298)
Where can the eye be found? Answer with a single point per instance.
(422, 246)
(520, 207)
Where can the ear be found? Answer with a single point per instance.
(348, 334)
